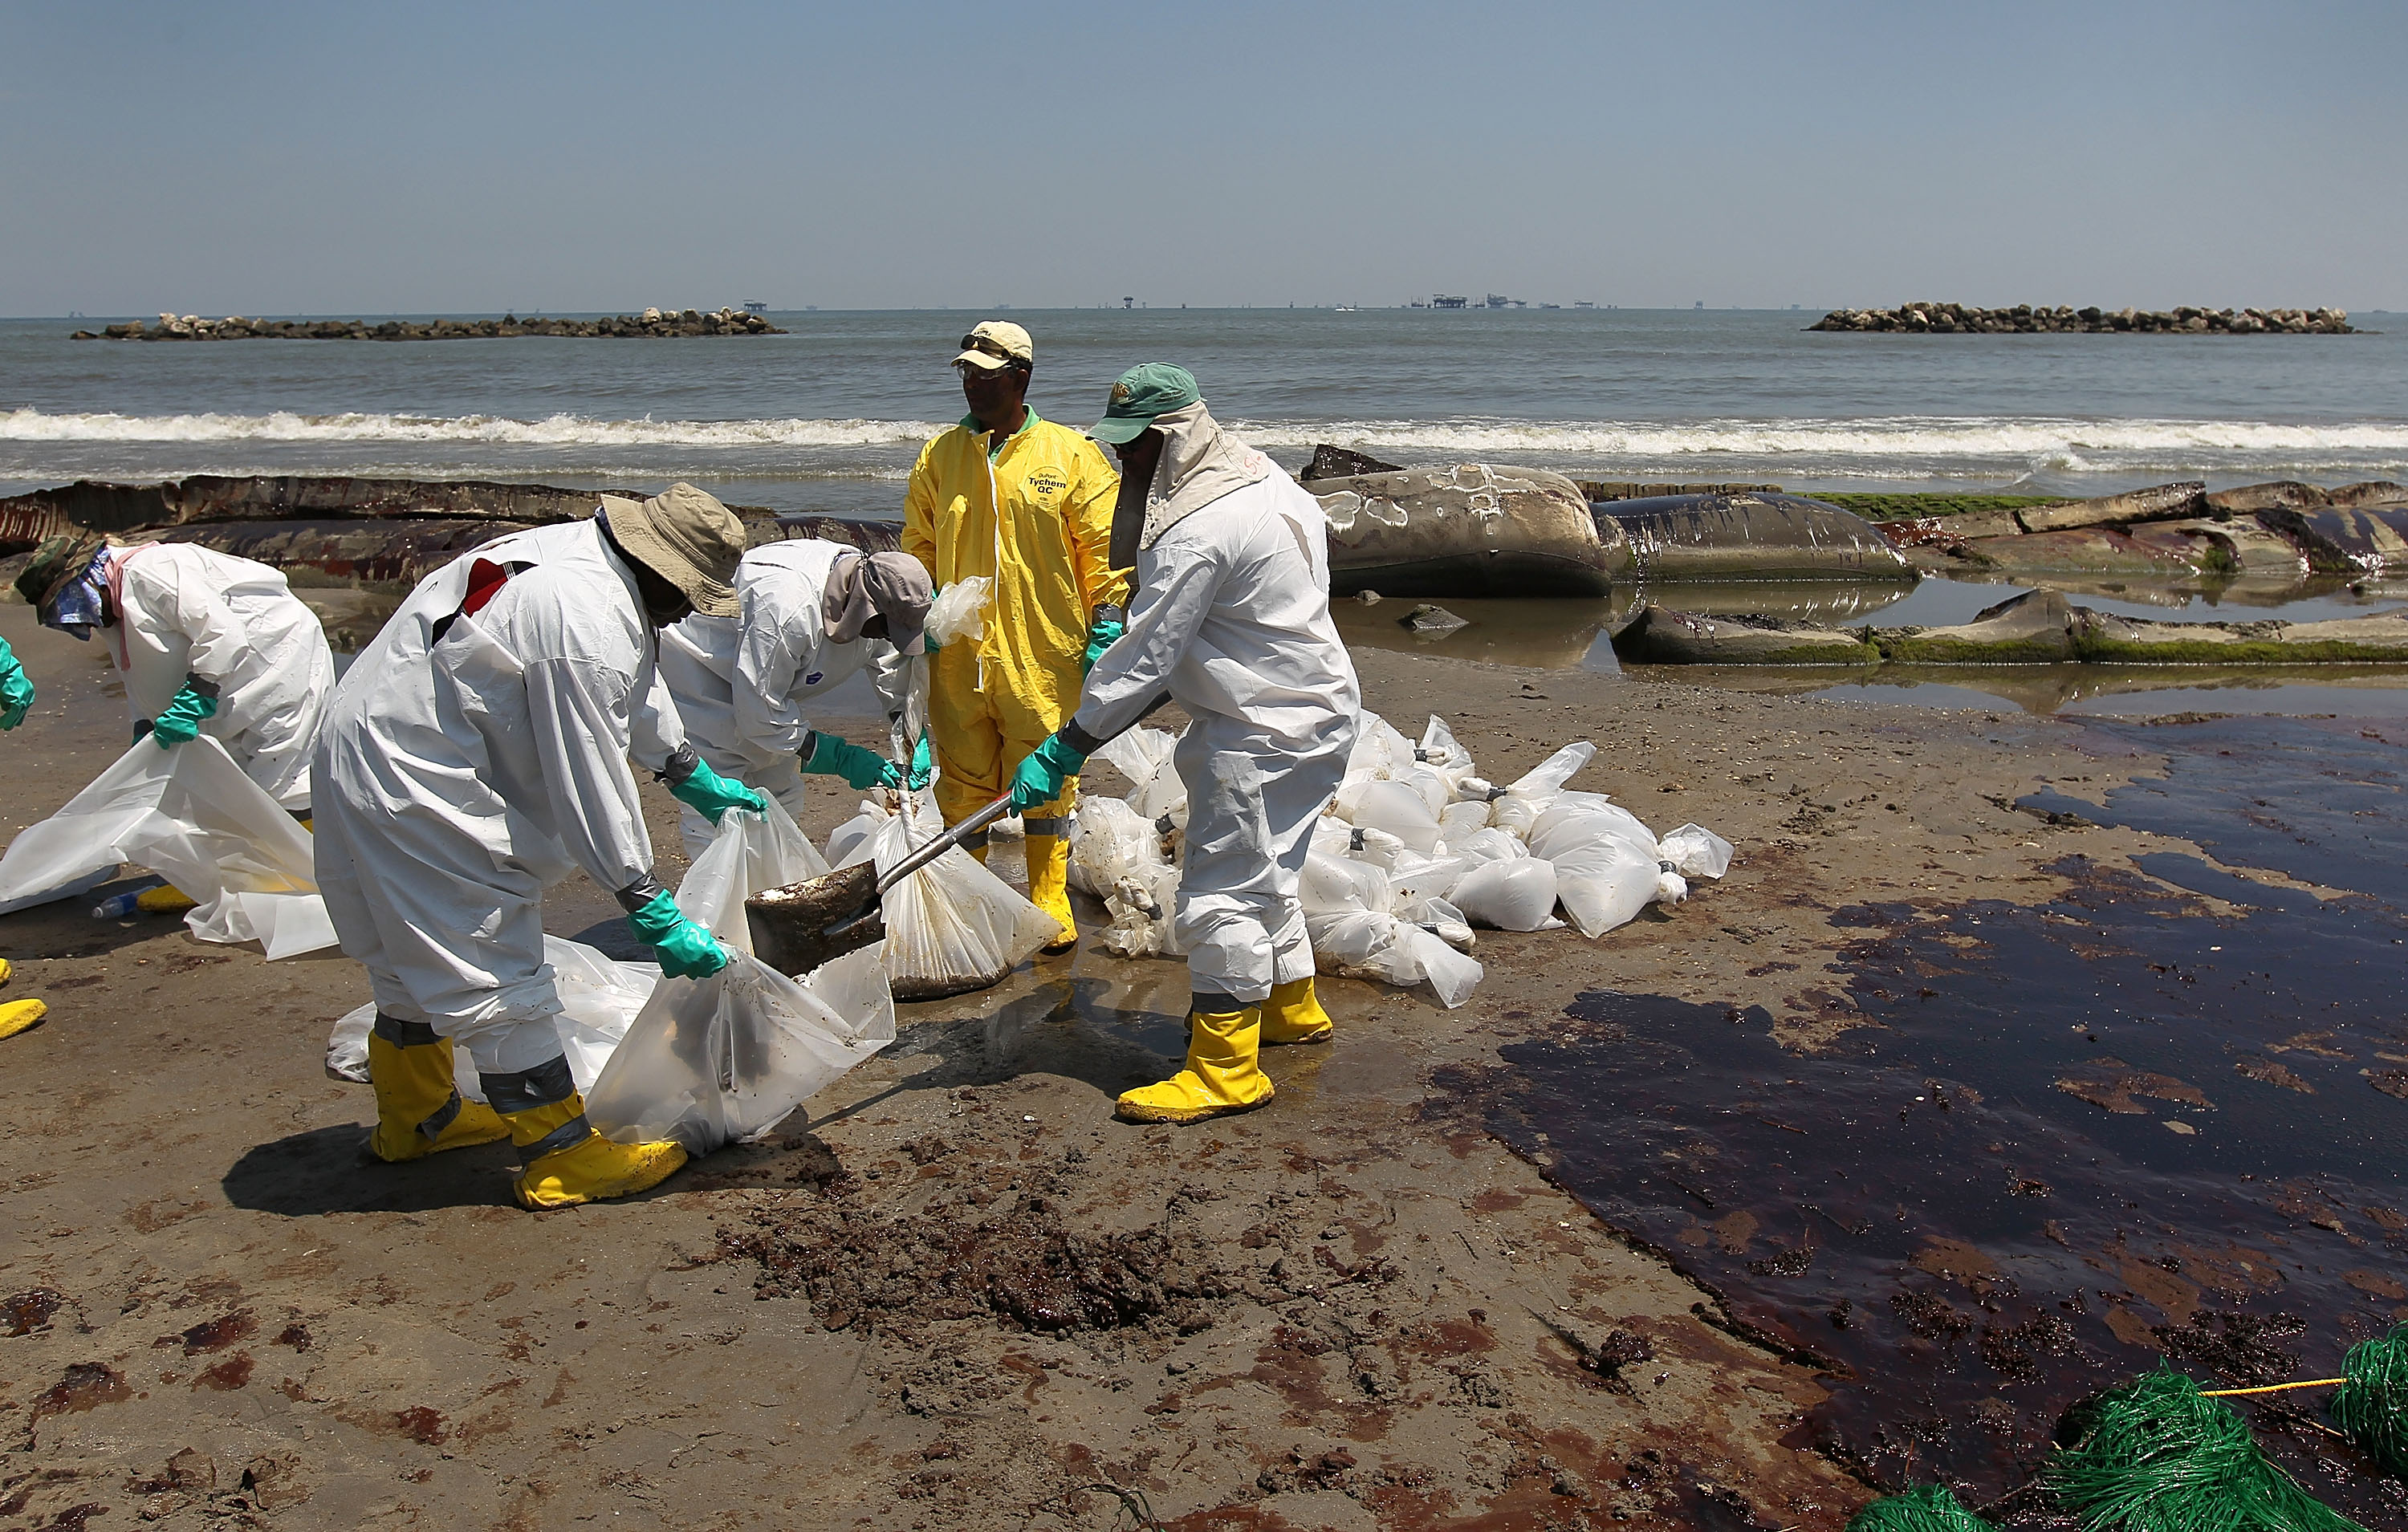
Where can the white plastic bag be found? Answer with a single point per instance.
(1439, 751)
(952, 927)
(1399, 808)
(749, 853)
(1368, 944)
(710, 1061)
(959, 612)
(1349, 915)
(599, 998)
(1117, 856)
(1522, 802)
(1378, 749)
(1460, 818)
(1696, 851)
(1144, 756)
(1516, 894)
(191, 815)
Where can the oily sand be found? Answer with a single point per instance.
(953, 1292)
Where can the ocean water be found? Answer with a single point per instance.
(830, 417)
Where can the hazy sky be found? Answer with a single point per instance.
(465, 158)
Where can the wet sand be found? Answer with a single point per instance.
(954, 1293)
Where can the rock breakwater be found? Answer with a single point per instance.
(1940, 319)
(653, 323)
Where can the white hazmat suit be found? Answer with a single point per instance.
(745, 686)
(183, 610)
(475, 753)
(1231, 617)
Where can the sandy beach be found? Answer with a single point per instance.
(954, 1293)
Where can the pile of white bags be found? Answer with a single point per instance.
(1416, 850)
(191, 816)
(950, 927)
(703, 1061)
(1453, 848)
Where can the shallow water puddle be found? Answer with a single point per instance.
(2073, 1137)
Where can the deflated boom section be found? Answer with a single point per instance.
(367, 531)
(1465, 530)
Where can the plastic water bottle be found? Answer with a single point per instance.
(118, 906)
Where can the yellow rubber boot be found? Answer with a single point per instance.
(167, 899)
(20, 1015)
(568, 1163)
(1223, 1073)
(418, 1109)
(1049, 885)
(1294, 1014)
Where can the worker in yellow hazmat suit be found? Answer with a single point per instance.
(1030, 502)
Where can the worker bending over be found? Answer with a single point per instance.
(1030, 502)
(1230, 616)
(209, 643)
(811, 616)
(476, 753)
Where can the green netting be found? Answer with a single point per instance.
(2157, 1456)
(1929, 1508)
(2372, 1405)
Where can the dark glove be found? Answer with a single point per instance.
(687, 950)
(1041, 776)
(861, 769)
(691, 782)
(196, 701)
(1108, 627)
(16, 688)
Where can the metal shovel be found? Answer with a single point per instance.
(801, 926)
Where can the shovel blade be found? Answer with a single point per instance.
(791, 925)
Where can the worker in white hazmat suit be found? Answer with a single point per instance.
(209, 644)
(1231, 619)
(479, 751)
(813, 615)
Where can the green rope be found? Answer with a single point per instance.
(1927, 1508)
(2157, 1457)
(2373, 1404)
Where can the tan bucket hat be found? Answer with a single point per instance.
(687, 537)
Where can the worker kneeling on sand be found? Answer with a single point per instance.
(1230, 616)
(476, 753)
(1029, 503)
(813, 615)
(209, 643)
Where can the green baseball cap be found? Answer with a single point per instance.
(1145, 391)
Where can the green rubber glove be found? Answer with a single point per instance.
(16, 688)
(928, 644)
(860, 768)
(1107, 628)
(711, 795)
(687, 950)
(1041, 776)
(183, 719)
(921, 769)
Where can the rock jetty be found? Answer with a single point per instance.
(1948, 319)
(653, 323)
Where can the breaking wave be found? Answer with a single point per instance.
(553, 431)
(1881, 439)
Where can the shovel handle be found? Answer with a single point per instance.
(923, 855)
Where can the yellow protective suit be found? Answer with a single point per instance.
(992, 702)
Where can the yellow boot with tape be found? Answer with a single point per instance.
(1294, 1014)
(419, 1110)
(1223, 1073)
(567, 1161)
(1049, 878)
